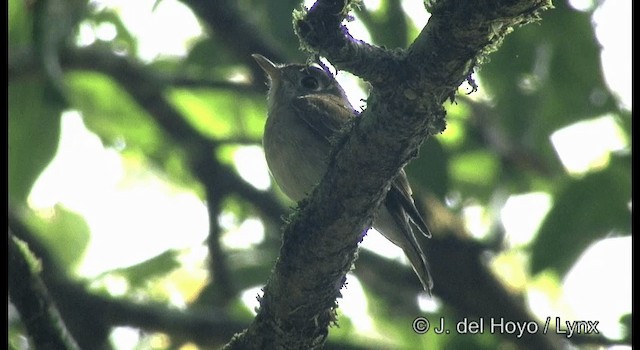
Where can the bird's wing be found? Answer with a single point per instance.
(325, 114)
(401, 191)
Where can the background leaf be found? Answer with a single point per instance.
(588, 209)
(66, 233)
(34, 129)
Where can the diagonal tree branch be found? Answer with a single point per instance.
(404, 107)
(31, 297)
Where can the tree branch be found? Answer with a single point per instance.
(404, 107)
(31, 297)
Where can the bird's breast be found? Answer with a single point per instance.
(296, 156)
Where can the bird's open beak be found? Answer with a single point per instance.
(269, 67)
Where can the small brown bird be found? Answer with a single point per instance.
(306, 108)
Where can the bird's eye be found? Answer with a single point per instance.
(309, 82)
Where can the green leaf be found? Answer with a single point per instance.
(34, 130)
(111, 113)
(139, 274)
(542, 81)
(430, 169)
(221, 114)
(19, 23)
(477, 170)
(64, 232)
(588, 209)
(625, 320)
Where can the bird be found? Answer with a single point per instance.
(307, 109)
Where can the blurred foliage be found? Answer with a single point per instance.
(541, 81)
(124, 122)
(140, 274)
(544, 77)
(221, 114)
(64, 232)
(32, 116)
(556, 247)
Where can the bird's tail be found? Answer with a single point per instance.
(420, 265)
(393, 223)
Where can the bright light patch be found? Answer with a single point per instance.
(162, 341)
(613, 29)
(192, 276)
(510, 267)
(161, 28)
(252, 167)
(116, 285)
(249, 233)
(106, 31)
(522, 215)
(227, 221)
(351, 85)
(587, 145)
(598, 287)
(476, 220)
(428, 303)
(582, 5)
(355, 306)
(125, 337)
(416, 12)
(100, 169)
(372, 5)
(250, 298)
(544, 297)
(375, 242)
(453, 135)
(132, 213)
(151, 218)
(86, 35)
